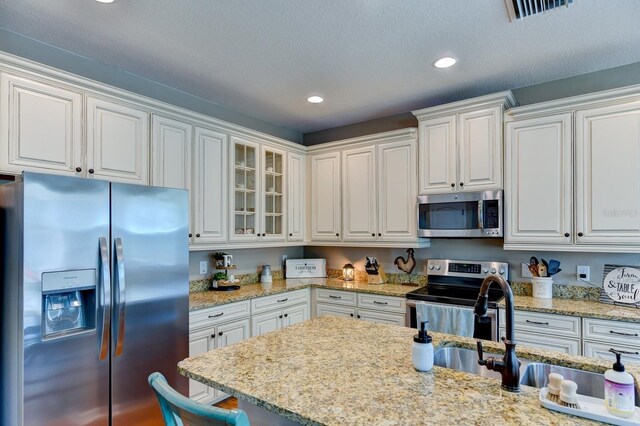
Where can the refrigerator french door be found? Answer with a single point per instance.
(95, 298)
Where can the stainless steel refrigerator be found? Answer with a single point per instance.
(94, 298)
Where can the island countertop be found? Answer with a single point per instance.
(339, 371)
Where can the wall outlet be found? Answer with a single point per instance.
(204, 267)
(583, 273)
(526, 273)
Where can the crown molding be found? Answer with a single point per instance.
(506, 99)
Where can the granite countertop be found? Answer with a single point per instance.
(207, 299)
(340, 371)
(576, 307)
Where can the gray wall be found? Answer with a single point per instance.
(27, 48)
(476, 249)
(247, 260)
(626, 75)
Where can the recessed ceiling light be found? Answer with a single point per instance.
(105, 1)
(445, 62)
(315, 99)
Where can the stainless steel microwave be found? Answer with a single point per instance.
(460, 215)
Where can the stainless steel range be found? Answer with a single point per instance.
(457, 282)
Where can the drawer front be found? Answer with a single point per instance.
(545, 323)
(543, 341)
(218, 314)
(277, 301)
(382, 303)
(381, 317)
(601, 351)
(336, 297)
(618, 332)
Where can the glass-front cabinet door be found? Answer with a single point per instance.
(245, 179)
(273, 181)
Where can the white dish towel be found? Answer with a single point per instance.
(446, 318)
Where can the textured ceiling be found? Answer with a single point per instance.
(368, 58)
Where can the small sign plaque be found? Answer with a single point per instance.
(621, 285)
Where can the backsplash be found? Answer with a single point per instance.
(243, 279)
(559, 291)
(392, 278)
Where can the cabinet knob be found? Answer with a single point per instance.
(213, 336)
(379, 234)
(566, 234)
(461, 183)
(220, 334)
(359, 316)
(373, 234)
(286, 315)
(337, 234)
(91, 171)
(197, 235)
(78, 169)
(290, 234)
(580, 234)
(280, 316)
(190, 235)
(351, 314)
(263, 234)
(453, 185)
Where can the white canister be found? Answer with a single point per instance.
(542, 287)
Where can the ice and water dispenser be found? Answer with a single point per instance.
(68, 302)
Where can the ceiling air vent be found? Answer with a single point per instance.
(520, 9)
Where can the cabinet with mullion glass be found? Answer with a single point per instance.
(273, 186)
(245, 202)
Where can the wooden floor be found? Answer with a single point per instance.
(230, 403)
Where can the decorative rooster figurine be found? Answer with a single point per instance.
(406, 265)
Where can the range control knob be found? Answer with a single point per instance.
(438, 267)
(431, 267)
(501, 271)
(485, 270)
(493, 270)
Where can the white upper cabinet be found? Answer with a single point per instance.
(171, 142)
(397, 191)
(40, 127)
(296, 195)
(460, 145)
(438, 155)
(273, 212)
(608, 175)
(359, 194)
(117, 141)
(538, 180)
(209, 197)
(245, 201)
(480, 149)
(325, 197)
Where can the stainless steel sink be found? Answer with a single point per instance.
(533, 374)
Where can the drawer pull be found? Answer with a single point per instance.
(537, 322)
(624, 334)
(623, 352)
(380, 303)
(283, 300)
(335, 297)
(216, 315)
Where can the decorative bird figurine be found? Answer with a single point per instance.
(406, 265)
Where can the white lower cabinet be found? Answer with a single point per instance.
(603, 351)
(544, 341)
(275, 320)
(367, 307)
(209, 338)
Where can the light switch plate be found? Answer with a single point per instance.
(204, 267)
(526, 273)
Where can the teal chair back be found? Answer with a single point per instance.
(178, 410)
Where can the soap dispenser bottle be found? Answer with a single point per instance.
(422, 349)
(619, 395)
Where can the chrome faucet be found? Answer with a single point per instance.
(509, 365)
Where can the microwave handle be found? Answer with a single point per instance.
(480, 215)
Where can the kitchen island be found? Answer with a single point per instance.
(338, 371)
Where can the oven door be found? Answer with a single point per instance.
(465, 215)
(484, 331)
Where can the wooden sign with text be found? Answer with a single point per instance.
(621, 285)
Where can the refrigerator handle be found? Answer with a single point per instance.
(105, 284)
(121, 289)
